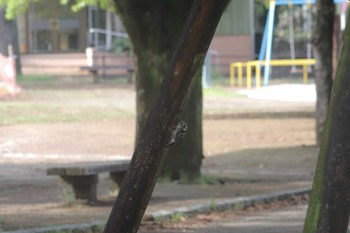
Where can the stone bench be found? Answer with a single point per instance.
(84, 176)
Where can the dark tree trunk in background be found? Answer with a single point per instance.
(184, 161)
(148, 157)
(329, 204)
(8, 36)
(323, 48)
(6, 33)
(154, 28)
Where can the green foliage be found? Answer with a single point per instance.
(80, 4)
(265, 3)
(177, 217)
(159, 220)
(13, 7)
(213, 204)
(122, 45)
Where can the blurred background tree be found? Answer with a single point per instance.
(154, 28)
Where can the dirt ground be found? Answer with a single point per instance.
(254, 146)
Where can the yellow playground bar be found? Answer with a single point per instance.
(257, 64)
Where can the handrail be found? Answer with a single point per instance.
(239, 66)
(113, 33)
(96, 31)
(257, 64)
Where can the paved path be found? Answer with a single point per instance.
(286, 220)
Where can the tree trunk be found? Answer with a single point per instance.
(329, 204)
(323, 48)
(8, 36)
(154, 28)
(140, 179)
(183, 161)
(5, 32)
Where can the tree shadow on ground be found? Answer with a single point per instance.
(247, 172)
(289, 163)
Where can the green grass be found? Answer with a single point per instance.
(177, 217)
(213, 204)
(21, 113)
(220, 86)
(220, 91)
(34, 78)
(47, 99)
(46, 105)
(40, 105)
(219, 79)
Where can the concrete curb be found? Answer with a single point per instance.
(62, 228)
(222, 204)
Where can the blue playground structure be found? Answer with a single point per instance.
(266, 46)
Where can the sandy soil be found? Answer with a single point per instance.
(253, 145)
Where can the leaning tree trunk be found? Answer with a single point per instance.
(148, 157)
(322, 48)
(154, 28)
(329, 204)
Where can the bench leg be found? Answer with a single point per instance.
(84, 187)
(117, 177)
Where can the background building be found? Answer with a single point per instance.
(53, 39)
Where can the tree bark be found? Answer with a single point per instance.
(147, 159)
(154, 28)
(329, 204)
(183, 161)
(322, 47)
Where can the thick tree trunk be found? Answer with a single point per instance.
(148, 157)
(323, 48)
(183, 161)
(154, 28)
(329, 204)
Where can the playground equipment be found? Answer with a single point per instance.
(266, 48)
(257, 65)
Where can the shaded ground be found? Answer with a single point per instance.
(279, 216)
(254, 146)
